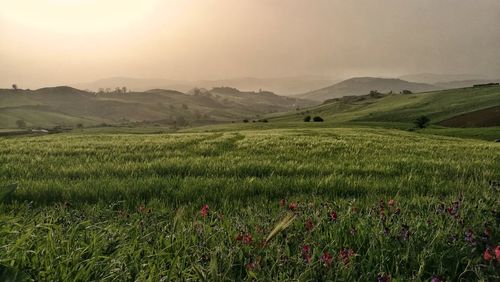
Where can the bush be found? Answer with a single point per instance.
(422, 122)
(307, 119)
(21, 123)
(245, 120)
(317, 119)
(406, 92)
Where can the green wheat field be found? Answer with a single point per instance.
(275, 204)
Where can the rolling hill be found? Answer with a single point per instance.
(439, 106)
(280, 85)
(363, 85)
(66, 106)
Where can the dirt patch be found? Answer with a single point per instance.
(482, 118)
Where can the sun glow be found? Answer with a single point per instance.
(80, 16)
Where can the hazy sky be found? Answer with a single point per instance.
(49, 42)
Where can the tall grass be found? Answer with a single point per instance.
(126, 207)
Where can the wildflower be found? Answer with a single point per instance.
(326, 258)
(436, 279)
(382, 206)
(333, 216)
(384, 277)
(488, 255)
(282, 203)
(309, 225)
(453, 210)
(345, 255)
(497, 253)
(250, 265)
(306, 253)
(469, 236)
(244, 238)
(204, 211)
(292, 206)
(391, 203)
(486, 235)
(247, 239)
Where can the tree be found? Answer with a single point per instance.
(318, 119)
(14, 86)
(307, 119)
(124, 89)
(21, 123)
(422, 122)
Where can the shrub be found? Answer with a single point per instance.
(245, 120)
(21, 123)
(406, 92)
(422, 122)
(307, 119)
(317, 119)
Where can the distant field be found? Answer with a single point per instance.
(100, 206)
(481, 118)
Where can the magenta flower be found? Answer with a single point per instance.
(326, 258)
(204, 211)
(333, 216)
(309, 225)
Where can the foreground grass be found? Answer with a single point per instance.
(127, 207)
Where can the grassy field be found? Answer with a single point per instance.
(358, 204)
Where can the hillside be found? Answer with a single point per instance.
(66, 106)
(363, 85)
(398, 108)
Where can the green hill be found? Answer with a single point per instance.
(437, 105)
(66, 106)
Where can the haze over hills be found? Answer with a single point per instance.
(281, 86)
(363, 85)
(433, 78)
(68, 106)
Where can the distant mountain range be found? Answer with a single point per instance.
(308, 87)
(66, 106)
(281, 86)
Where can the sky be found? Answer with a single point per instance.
(55, 42)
